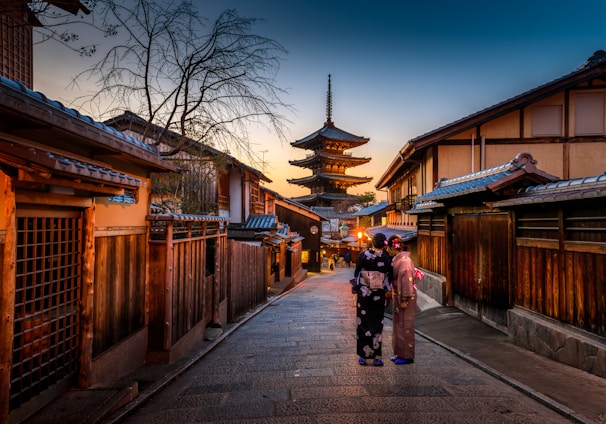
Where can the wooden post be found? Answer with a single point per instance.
(7, 296)
(216, 278)
(168, 289)
(87, 299)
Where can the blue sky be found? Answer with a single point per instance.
(399, 68)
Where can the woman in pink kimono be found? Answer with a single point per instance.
(404, 301)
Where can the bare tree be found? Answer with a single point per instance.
(62, 21)
(207, 84)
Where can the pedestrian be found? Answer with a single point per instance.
(372, 277)
(404, 297)
(348, 259)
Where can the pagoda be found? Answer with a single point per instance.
(328, 162)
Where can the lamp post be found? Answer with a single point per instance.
(360, 234)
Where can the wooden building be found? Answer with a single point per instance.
(17, 20)
(562, 123)
(73, 236)
(211, 182)
(328, 162)
(526, 253)
(308, 225)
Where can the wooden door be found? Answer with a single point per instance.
(481, 251)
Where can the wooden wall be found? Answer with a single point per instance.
(432, 244)
(248, 271)
(560, 267)
(119, 294)
(186, 273)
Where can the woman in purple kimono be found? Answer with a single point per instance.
(404, 300)
(372, 277)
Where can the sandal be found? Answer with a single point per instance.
(377, 363)
(362, 361)
(399, 361)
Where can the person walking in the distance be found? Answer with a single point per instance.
(404, 297)
(372, 276)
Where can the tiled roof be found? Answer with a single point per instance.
(491, 179)
(560, 191)
(330, 132)
(330, 177)
(330, 213)
(183, 217)
(372, 209)
(135, 123)
(94, 172)
(18, 86)
(389, 231)
(466, 184)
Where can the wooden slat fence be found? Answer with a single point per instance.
(249, 270)
(186, 275)
(432, 244)
(561, 265)
(119, 295)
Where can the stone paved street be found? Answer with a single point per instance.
(295, 362)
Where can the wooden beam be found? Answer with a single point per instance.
(53, 199)
(75, 184)
(7, 294)
(87, 299)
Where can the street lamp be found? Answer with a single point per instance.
(360, 234)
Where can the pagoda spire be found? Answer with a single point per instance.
(329, 104)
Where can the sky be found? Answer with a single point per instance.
(398, 68)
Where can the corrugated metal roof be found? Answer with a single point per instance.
(261, 222)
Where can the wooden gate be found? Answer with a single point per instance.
(481, 252)
(48, 277)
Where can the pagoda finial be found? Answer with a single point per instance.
(329, 104)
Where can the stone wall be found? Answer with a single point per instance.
(557, 341)
(434, 286)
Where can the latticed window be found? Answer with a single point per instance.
(15, 50)
(45, 347)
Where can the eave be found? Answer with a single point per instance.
(31, 116)
(582, 75)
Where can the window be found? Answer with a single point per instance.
(546, 121)
(589, 113)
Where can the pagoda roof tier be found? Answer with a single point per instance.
(312, 198)
(329, 134)
(329, 158)
(342, 179)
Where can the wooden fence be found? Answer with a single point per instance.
(561, 265)
(119, 295)
(185, 276)
(195, 271)
(248, 277)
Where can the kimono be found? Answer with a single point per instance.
(404, 306)
(370, 305)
